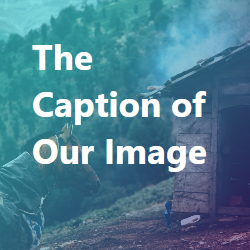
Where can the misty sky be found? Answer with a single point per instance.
(201, 33)
(205, 31)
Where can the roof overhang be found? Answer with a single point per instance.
(203, 67)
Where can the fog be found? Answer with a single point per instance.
(209, 28)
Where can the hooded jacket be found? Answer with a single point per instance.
(22, 188)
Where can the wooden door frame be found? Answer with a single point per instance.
(214, 147)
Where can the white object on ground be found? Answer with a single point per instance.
(190, 220)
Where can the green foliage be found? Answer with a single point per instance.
(104, 13)
(161, 21)
(142, 199)
(2, 128)
(9, 67)
(125, 55)
(97, 29)
(135, 8)
(52, 22)
(89, 14)
(13, 43)
(116, 22)
(155, 7)
(10, 149)
(44, 33)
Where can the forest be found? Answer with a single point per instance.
(130, 43)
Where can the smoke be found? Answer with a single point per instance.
(200, 29)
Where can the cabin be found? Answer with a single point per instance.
(222, 184)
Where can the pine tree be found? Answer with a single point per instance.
(155, 7)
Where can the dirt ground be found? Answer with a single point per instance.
(138, 231)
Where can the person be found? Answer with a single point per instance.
(22, 189)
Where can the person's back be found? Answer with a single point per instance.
(22, 187)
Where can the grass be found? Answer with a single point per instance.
(142, 199)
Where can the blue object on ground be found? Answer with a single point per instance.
(168, 206)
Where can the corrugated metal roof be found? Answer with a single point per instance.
(201, 65)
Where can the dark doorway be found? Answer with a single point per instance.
(234, 157)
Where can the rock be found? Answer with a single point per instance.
(242, 243)
(120, 247)
(228, 219)
(225, 243)
(213, 225)
(239, 237)
(189, 229)
(66, 243)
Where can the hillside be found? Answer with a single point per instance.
(147, 229)
(12, 13)
(133, 45)
(119, 63)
